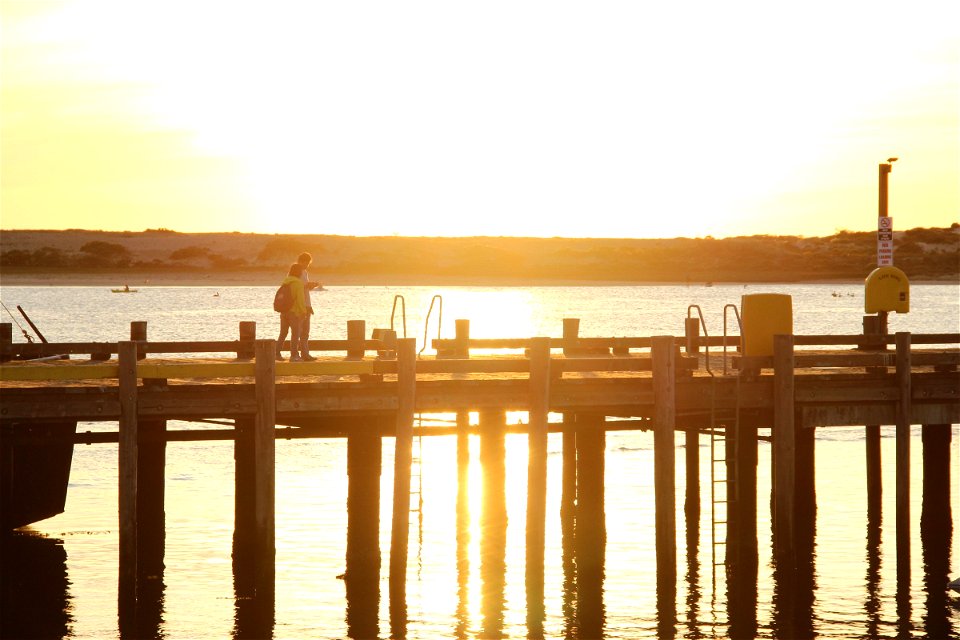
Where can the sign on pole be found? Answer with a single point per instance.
(884, 241)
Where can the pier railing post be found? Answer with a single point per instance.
(356, 335)
(904, 409)
(403, 457)
(138, 334)
(264, 443)
(571, 337)
(691, 327)
(129, 438)
(248, 333)
(664, 465)
(462, 336)
(537, 473)
(784, 445)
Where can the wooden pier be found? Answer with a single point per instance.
(367, 389)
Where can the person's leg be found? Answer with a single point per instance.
(305, 335)
(284, 328)
(295, 328)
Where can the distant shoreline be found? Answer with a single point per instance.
(265, 278)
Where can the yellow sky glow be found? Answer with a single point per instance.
(621, 119)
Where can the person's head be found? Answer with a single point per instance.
(305, 259)
(296, 270)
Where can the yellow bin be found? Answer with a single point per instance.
(764, 315)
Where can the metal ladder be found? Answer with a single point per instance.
(718, 439)
(719, 452)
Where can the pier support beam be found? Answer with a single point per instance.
(784, 448)
(936, 528)
(904, 408)
(403, 458)
(537, 481)
(874, 326)
(591, 531)
(129, 473)
(463, 523)
(362, 576)
(264, 438)
(664, 469)
(493, 522)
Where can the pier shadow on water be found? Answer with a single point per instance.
(35, 600)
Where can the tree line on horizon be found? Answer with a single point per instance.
(922, 253)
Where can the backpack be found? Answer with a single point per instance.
(283, 299)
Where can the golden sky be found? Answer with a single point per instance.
(587, 119)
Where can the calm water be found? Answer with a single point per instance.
(66, 567)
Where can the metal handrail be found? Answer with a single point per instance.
(703, 325)
(403, 309)
(736, 312)
(426, 323)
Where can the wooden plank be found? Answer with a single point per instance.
(264, 449)
(784, 445)
(664, 420)
(403, 457)
(128, 476)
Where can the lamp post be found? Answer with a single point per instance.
(883, 200)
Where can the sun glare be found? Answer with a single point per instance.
(408, 120)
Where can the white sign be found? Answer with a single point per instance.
(884, 241)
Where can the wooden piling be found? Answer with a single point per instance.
(936, 528)
(874, 326)
(537, 470)
(591, 532)
(245, 499)
(264, 435)
(571, 339)
(129, 439)
(664, 425)
(692, 463)
(362, 575)
(248, 333)
(904, 408)
(356, 336)
(6, 341)
(138, 334)
(692, 335)
(403, 458)
(151, 518)
(493, 522)
(568, 493)
(462, 336)
(784, 445)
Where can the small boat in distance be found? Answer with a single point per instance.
(126, 289)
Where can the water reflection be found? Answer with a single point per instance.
(692, 576)
(493, 525)
(872, 605)
(463, 526)
(34, 588)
